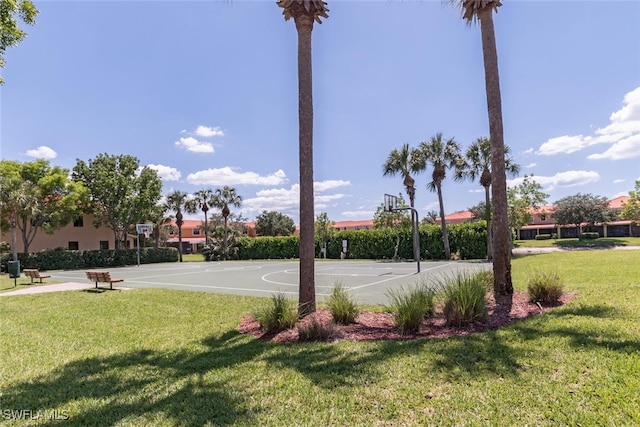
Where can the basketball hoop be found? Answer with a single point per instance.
(390, 203)
(145, 229)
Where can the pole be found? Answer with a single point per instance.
(138, 244)
(416, 234)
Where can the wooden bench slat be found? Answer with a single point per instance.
(102, 277)
(34, 273)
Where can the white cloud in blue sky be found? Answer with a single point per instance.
(189, 143)
(230, 176)
(42, 152)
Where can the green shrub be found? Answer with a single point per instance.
(543, 237)
(590, 235)
(544, 287)
(313, 330)
(410, 307)
(342, 306)
(464, 298)
(278, 314)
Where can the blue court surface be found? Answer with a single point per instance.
(368, 281)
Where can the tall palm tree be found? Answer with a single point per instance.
(404, 162)
(175, 203)
(202, 200)
(304, 13)
(442, 155)
(477, 165)
(221, 199)
(482, 10)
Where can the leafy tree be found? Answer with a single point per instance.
(398, 220)
(175, 203)
(404, 162)
(36, 195)
(631, 208)
(202, 200)
(304, 14)
(157, 216)
(324, 230)
(482, 10)
(430, 218)
(582, 209)
(121, 194)
(221, 249)
(10, 33)
(222, 198)
(524, 199)
(479, 211)
(476, 164)
(274, 223)
(441, 155)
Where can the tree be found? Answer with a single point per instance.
(441, 155)
(477, 165)
(274, 223)
(482, 10)
(398, 220)
(37, 196)
(175, 203)
(121, 194)
(202, 200)
(631, 208)
(222, 198)
(159, 219)
(430, 218)
(10, 34)
(304, 14)
(523, 200)
(582, 209)
(324, 231)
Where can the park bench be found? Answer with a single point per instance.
(102, 277)
(34, 273)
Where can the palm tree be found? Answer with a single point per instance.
(221, 199)
(304, 13)
(202, 200)
(442, 155)
(477, 164)
(175, 202)
(404, 162)
(482, 10)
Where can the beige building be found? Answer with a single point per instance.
(78, 235)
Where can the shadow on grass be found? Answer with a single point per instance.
(176, 386)
(601, 243)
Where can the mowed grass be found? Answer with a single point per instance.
(167, 358)
(602, 242)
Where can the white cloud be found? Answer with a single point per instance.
(42, 152)
(531, 165)
(191, 144)
(618, 181)
(166, 173)
(359, 214)
(228, 176)
(622, 133)
(561, 179)
(626, 148)
(329, 184)
(208, 132)
(528, 151)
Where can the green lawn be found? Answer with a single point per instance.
(167, 358)
(605, 242)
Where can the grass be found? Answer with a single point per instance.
(7, 284)
(602, 242)
(165, 358)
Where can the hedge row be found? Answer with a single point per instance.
(73, 260)
(468, 241)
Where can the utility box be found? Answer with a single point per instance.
(13, 268)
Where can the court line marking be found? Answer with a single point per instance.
(396, 277)
(217, 287)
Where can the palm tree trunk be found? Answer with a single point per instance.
(307, 293)
(487, 216)
(502, 284)
(443, 224)
(224, 243)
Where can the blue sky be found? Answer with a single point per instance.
(206, 93)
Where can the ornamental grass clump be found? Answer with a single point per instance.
(411, 306)
(278, 314)
(314, 330)
(544, 287)
(464, 299)
(342, 306)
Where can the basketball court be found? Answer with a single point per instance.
(368, 281)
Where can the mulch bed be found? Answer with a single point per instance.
(372, 326)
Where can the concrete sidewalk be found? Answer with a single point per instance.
(68, 286)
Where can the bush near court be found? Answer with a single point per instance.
(73, 260)
(467, 241)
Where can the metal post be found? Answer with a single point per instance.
(138, 244)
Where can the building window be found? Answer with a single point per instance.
(196, 231)
(79, 222)
(543, 217)
(73, 246)
(104, 245)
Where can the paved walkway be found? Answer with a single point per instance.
(68, 286)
